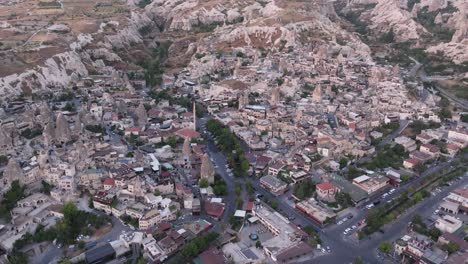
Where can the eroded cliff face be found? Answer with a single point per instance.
(87, 53)
(269, 25)
(421, 21)
(391, 14)
(196, 26)
(452, 15)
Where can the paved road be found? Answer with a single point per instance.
(418, 71)
(343, 248)
(53, 254)
(403, 125)
(220, 161)
(335, 242)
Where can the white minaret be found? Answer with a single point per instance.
(194, 116)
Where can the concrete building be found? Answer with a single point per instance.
(459, 196)
(448, 223)
(371, 184)
(406, 142)
(319, 214)
(286, 237)
(458, 134)
(326, 191)
(273, 184)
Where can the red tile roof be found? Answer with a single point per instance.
(187, 114)
(325, 186)
(109, 181)
(248, 206)
(212, 256)
(187, 133)
(214, 209)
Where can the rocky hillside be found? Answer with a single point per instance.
(438, 26)
(39, 56)
(67, 45)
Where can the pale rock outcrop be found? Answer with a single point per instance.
(62, 131)
(233, 15)
(48, 134)
(207, 169)
(58, 70)
(6, 141)
(13, 172)
(438, 19)
(81, 42)
(140, 112)
(130, 34)
(59, 28)
(363, 2)
(389, 14)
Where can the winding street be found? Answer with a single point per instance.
(344, 249)
(418, 71)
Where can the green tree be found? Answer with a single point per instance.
(46, 187)
(445, 113)
(274, 204)
(10, 198)
(157, 192)
(258, 244)
(237, 189)
(435, 233)
(69, 107)
(404, 177)
(344, 199)
(3, 160)
(451, 247)
(385, 247)
(417, 219)
(343, 162)
(388, 37)
(203, 183)
(248, 187)
(420, 168)
(358, 260)
(81, 244)
(18, 257)
(309, 230)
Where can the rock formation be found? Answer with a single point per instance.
(6, 142)
(62, 131)
(12, 173)
(207, 169)
(48, 134)
(140, 112)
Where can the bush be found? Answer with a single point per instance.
(219, 186)
(194, 248)
(144, 3)
(10, 198)
(230, 145)
(199, 55)
(388, 37)
(451, 247)
(31, 133)
(385, 247)
(389, 157)
(95, 129)
(304, 190)
(3, 160)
